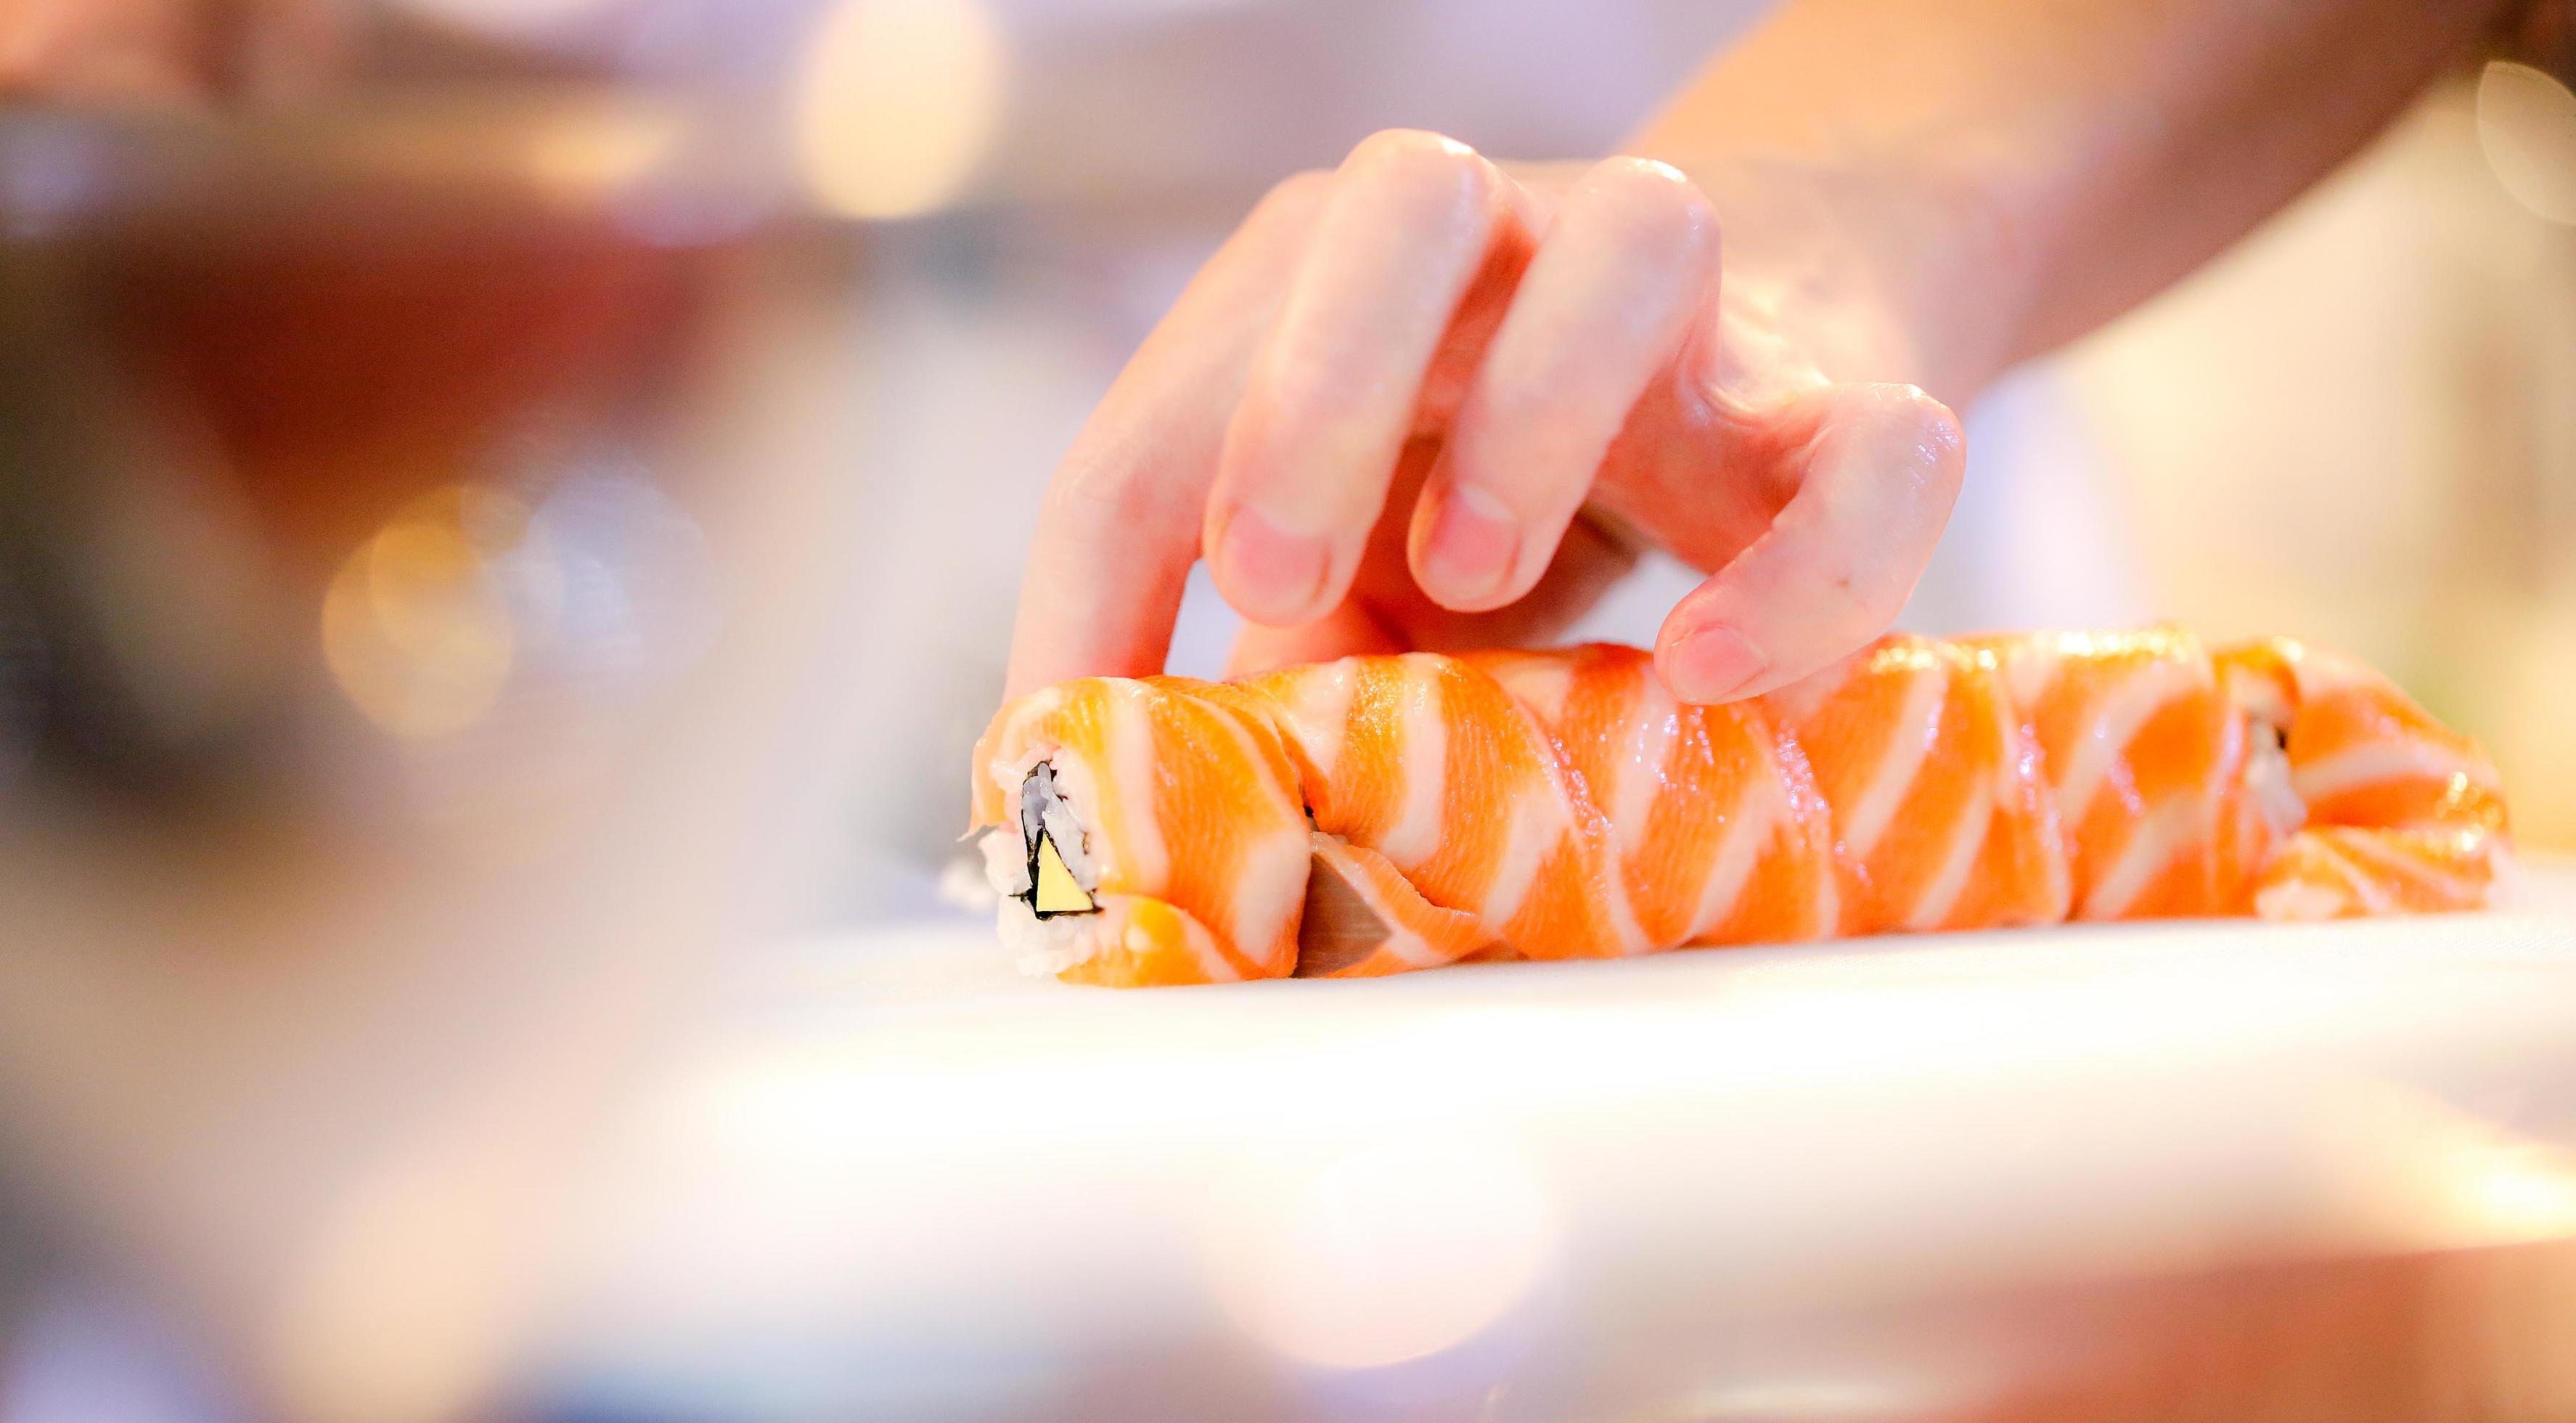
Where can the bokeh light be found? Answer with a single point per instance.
(2527, 128)
(417, 627)
(402, 1305)
(2433, 1176)
(895, 104)
(514, 18)
(1388, 1253)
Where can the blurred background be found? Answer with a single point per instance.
(520, 502)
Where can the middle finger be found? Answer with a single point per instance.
(1332, 396)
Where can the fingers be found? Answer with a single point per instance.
(1119, 525)
(1332, 396)
(1882, 468)
(1605, 305)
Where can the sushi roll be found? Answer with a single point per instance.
(1381, 814)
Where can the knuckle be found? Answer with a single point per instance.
(1651, 205)
(1417, 165)
(1294, 195)
(1924, 434)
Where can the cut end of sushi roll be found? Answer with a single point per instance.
(1059, 876)
(1362, 918)
(1052, 889)
(1337, 930)
(1046, 878)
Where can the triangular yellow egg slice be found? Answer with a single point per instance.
(1057, 890)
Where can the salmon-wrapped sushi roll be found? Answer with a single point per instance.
(1381, 814)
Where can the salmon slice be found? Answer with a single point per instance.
(2404, 814)
(1939, 817)
(1381, 814)
(1364, 920)
(1429, 762)
(2346, 871)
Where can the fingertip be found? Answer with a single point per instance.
(1660, 213)
(1904, 428)
(1271, 575)
(1706, 662)
(1465, 548)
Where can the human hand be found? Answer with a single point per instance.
(1411, 400)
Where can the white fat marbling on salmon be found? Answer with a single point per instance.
(1918, 723)
(2374, 763)
(1282, 794)
(1136, 836)
(1202, 945)
(2364, 885)
(1272, 881)
(2379, 859)
(1638, 768)
(2262, 696)
(1036, 706)
(2298, 901)
(2321, 672)
(1320, 707)
(1623, 913)
(1967, 839)
(2022, 768)
(2153, 843)
(1543, 688)
(1536, 829)
(2269, 784)
(1749, 827)
(1798, 703)
(2028, 668)
(1269, 888)
(2115, 723)
(1415, 836)
(1404, 944)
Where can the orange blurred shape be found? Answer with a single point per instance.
(417, 627)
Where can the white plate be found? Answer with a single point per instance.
(894, 1179)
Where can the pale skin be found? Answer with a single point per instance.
(1409, 402)
(1428, 400)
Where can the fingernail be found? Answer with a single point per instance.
(1271, 575)
(1474, 542)
(1711, 663)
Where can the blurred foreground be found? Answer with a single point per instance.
(500, 568)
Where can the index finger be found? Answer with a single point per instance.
(1119, 526)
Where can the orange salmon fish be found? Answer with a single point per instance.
(1380, 814)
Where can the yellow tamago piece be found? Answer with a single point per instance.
(1057, 890)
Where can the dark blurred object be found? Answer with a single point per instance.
(2542, 34)
(231, 348)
